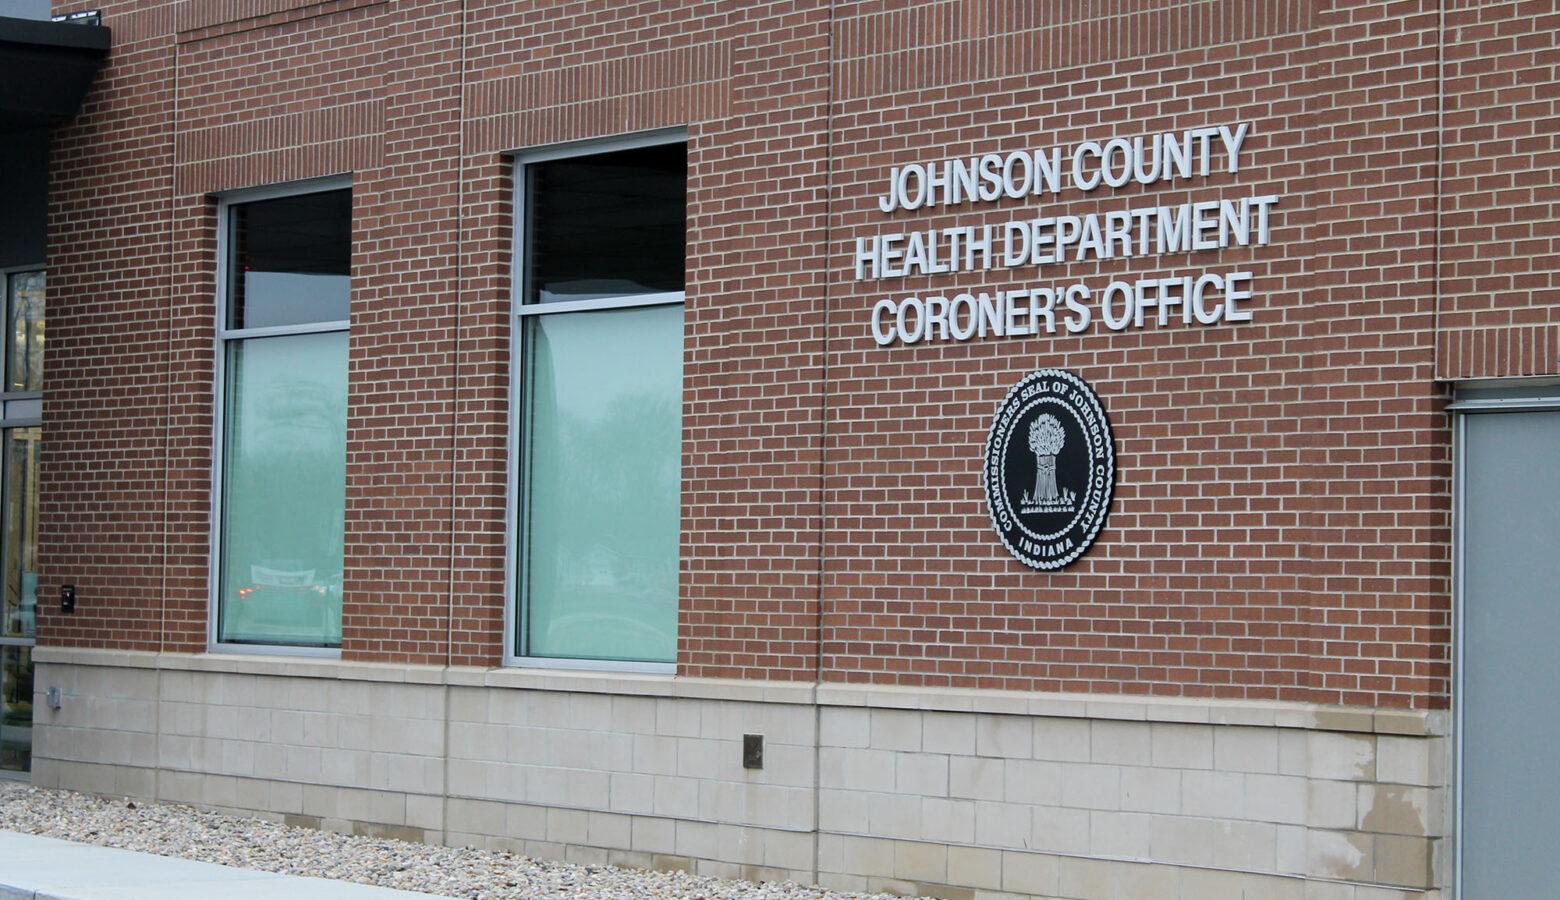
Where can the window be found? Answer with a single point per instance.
(24, 320)
(21, 408)
(599, 425)
(282, 331)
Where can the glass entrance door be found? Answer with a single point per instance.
(20, 507)
(21, 408)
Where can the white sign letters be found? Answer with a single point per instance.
(1046, 239)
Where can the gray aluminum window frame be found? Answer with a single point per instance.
(223, 337)
(516, 501)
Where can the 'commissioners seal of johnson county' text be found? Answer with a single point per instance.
(1050, 468)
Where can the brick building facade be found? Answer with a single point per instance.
(1341, 254)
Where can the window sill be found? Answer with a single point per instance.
(591, 665)
(274, 650)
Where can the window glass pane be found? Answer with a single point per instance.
(604, 460)
(24, 357)
(291, 260)
(607, 225)
(284, 476)
(21, 531)
(16, 695)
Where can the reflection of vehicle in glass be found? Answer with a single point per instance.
(282, 601)
(265, 576)
(608, 635)
(613, 607)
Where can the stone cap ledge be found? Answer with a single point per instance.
(1257, 713)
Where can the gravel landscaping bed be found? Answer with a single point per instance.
(183, 831)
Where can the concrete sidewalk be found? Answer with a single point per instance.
(40, 868)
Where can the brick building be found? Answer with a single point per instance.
(500, 422)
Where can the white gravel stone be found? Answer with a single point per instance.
(172, 830)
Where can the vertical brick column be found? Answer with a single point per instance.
(1500, 192)
(402, 380)
(754, 385)
(112, 298)
(481, 414)
(1376, 442)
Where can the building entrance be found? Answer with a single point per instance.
(21, 409)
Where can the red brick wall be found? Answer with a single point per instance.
(1281, 525)
(1500, 260)
(108, 466)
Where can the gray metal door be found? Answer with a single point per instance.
(1509, 533)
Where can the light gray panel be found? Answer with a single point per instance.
(25, 9)
(1511, 655)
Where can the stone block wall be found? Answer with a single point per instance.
(953, 793)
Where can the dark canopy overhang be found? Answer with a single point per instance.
(45, 69)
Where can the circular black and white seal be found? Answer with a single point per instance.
(1050, 468)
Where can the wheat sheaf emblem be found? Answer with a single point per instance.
(1046, 437)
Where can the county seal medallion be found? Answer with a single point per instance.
(1050, 468)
